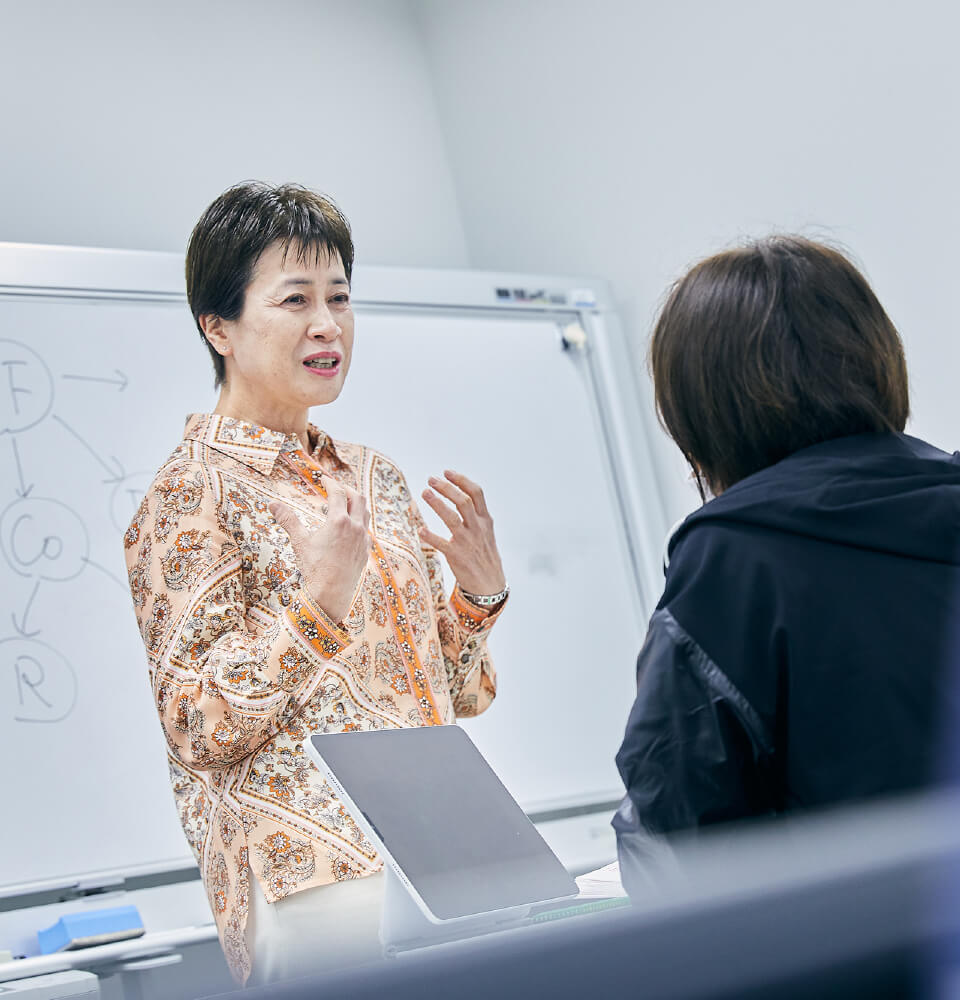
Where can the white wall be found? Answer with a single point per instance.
(622, 139)
(626, 139)
(122, 121)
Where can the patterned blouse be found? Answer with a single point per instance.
(244, 666)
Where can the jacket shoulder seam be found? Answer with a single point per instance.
(716, 680)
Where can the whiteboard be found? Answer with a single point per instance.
(93, 394)
(87, 786)
(507, 406)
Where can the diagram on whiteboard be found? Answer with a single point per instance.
(44, 540)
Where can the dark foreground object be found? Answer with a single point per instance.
(864, 905)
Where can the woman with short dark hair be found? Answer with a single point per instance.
(799, 655)
(285, 584)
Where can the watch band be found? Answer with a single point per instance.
(486, 600)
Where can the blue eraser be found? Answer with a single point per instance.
(92, 927)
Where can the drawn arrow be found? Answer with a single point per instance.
(24, 490)
(115, 472)
(120, 381)
(21, 626)
(89, 562)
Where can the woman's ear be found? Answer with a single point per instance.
(216, 334)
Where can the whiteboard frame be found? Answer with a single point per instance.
(64, 273)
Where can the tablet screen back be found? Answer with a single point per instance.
(446, 819)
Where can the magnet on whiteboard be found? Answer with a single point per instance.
(573, 336)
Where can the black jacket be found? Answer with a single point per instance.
(802, 650)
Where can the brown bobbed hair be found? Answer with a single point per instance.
(237, 228)
(771, 347)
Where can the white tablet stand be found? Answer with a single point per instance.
(513, 858)
(403, 926)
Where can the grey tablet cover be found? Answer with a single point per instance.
(446, 819)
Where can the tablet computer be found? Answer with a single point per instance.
(442, 819)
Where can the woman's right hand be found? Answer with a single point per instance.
(331, 557)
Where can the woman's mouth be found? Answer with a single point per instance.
(326, 365)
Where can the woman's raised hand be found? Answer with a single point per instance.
(471, 550)
(332, 556)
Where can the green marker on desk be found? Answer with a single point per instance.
(580, 909)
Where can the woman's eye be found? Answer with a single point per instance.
(342, 299)
(295, 299)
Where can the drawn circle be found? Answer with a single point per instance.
(126, 497)
(44, 539)
(37, 682)
(26, 387)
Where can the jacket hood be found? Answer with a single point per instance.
(886, 492)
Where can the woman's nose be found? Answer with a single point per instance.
(323, 326)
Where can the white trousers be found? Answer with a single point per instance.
(314, 931)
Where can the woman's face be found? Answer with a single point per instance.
(290, 348)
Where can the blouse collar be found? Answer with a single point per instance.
(255, 446)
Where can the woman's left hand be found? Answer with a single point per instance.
(471, 550)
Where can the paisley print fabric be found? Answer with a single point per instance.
(244, 666)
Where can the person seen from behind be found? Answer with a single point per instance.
(799, 657)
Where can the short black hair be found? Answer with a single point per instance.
(238, 227)
(772, 347)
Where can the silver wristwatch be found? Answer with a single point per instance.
(486, 600)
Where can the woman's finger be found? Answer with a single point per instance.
(433, 540)
(287, 519)
(336, 496)
(446, 514)
(470, 488)
(354, 500)
(456, 496)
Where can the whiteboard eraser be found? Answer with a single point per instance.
(574, 336)
(84, 930)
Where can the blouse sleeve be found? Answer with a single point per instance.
(224, 676)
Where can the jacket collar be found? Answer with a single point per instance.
(254, 446)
